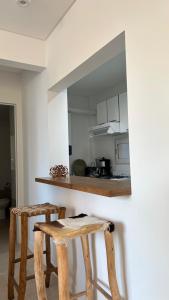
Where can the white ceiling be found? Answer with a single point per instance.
(37, 20)
(106, 76)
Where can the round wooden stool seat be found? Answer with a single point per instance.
(70, 228)
(23, 214)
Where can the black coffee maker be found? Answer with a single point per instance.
(104, 167)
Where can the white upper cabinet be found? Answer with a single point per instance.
(102, 112)
(113, 109)
(123, 112)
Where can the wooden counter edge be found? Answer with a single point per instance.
(67, 185)
(87, 188)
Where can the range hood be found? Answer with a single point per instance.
(104, 129)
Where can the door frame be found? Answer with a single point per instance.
(18, 148)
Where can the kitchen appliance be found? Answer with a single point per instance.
(92, 172)
(100, 168)
(104, 165)
(104, 129)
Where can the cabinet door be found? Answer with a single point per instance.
(123, 112)
(102, 112)
(113, 109)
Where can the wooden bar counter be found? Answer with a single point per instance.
(104, 187)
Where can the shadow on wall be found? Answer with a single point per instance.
(118, 237)
(76, 260)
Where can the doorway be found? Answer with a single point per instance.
(7, 162)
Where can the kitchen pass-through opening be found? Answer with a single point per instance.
(98, 119)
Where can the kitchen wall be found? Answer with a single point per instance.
(141, 237)
(80, 123)
(83, 146)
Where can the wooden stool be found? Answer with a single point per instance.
(70, 228)
(25, 213)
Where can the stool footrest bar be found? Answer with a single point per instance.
(32, 276)
(16, 285)
(53, 269)
(74, 296)
(17, 260)
(29, 277)
(101, 290)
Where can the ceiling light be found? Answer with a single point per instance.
(23, 3)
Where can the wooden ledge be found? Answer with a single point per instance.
(104, 187)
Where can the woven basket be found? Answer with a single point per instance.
(58, 171)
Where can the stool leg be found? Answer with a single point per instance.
(38, 265)
(11, 266)
(63, 271)
(24, 247)
(61, 214)
(48, 255)
(111, 265)
(86, 255)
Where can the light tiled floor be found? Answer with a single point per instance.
(31, 289)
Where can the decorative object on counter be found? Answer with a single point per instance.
(79, 167)
(67, 229)
(58, 171)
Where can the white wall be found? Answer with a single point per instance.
(145, 23)
(35, 139)
(35, 128)
(58, 129)
(21, 51)
(142, 235)
(10, 87)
